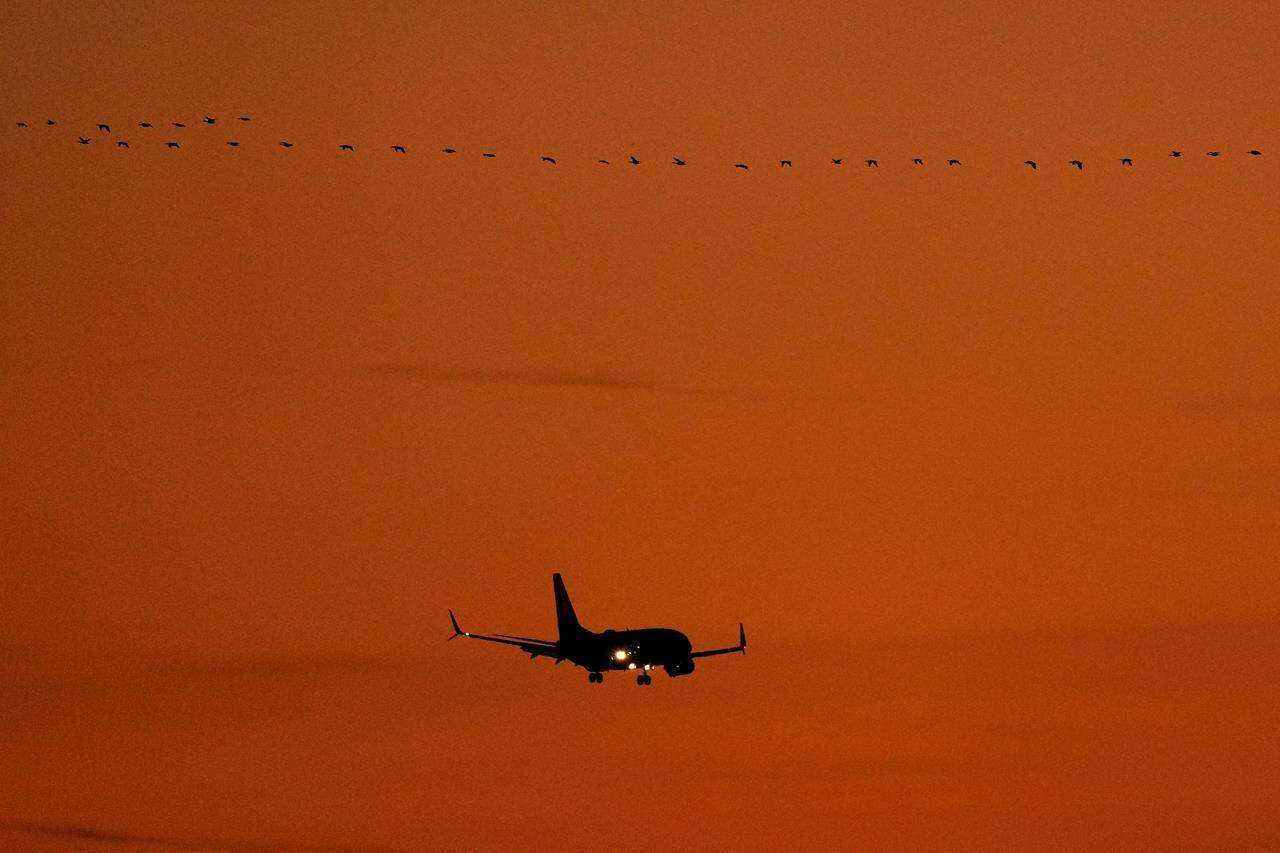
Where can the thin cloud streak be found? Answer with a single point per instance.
(597, 380)
(93, 834)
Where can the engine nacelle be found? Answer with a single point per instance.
(679, 667)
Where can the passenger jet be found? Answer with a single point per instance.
(641, 649)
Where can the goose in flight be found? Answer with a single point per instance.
(210, 120)
(676, 161)
(743, 166)
(871, 163)
(233, 143)
(49, 122)
(1213, 153)
(1255, 152)
(551, 160)
(1126, 161)
(449, 150)
(634, 161)
(105, 128)
(489, 154)
(346, 147)
(784, 162)
(83, 141)
(286, 144)
(145, 124)
(836, 161)
(242, 118)
(1078, 164)
(120, 143)
(603, 162)
(398, 149)
(178, 124)
(1031, 163)
(172, 145)
(22, 124)
(917, 161)
(953, 162)
(1175, 153)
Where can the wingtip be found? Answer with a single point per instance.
(742, 638)
(457, 632)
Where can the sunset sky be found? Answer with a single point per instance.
(987, 460)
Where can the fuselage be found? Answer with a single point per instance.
(638, 648)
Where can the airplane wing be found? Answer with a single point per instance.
(741, 647)
(534, 648)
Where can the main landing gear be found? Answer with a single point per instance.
(644, 679)
(595, 677)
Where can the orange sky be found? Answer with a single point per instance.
(987, 461)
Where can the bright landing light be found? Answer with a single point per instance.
(620, 654)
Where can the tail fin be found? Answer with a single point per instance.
(566, 620)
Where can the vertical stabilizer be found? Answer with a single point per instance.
(566, 619)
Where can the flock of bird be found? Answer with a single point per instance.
(346, 147)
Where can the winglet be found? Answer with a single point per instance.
(742, 638)
(457, 632)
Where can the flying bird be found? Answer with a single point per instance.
(489, 154)
(83, 141)
(22, 124)
(286, 144)
(105, 128)
(953, 162)
(603, 162)
(346, 148)
(875, 163)
(398, 149)
(145, 124)
(1255, 152)
(678, 162)
(784, 162)
(172, 145)
(242, 118)
(449, 150)
(836, 161)
(550, 160)
(634, 161)
(49, 122)
(1031, 163)
(1175, 153)
(120, 143)
(1078, 164)
(917, 161)
(233, 143)
(1213, 153)
(742, 166)
(210, 120)
(178, 124)
(1126, 161)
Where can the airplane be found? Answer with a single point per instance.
(640, 649)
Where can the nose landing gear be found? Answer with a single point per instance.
(644, 680)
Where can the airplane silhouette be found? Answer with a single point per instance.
(642, 649)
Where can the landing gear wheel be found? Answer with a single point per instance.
(643, 680)
(595, 677)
